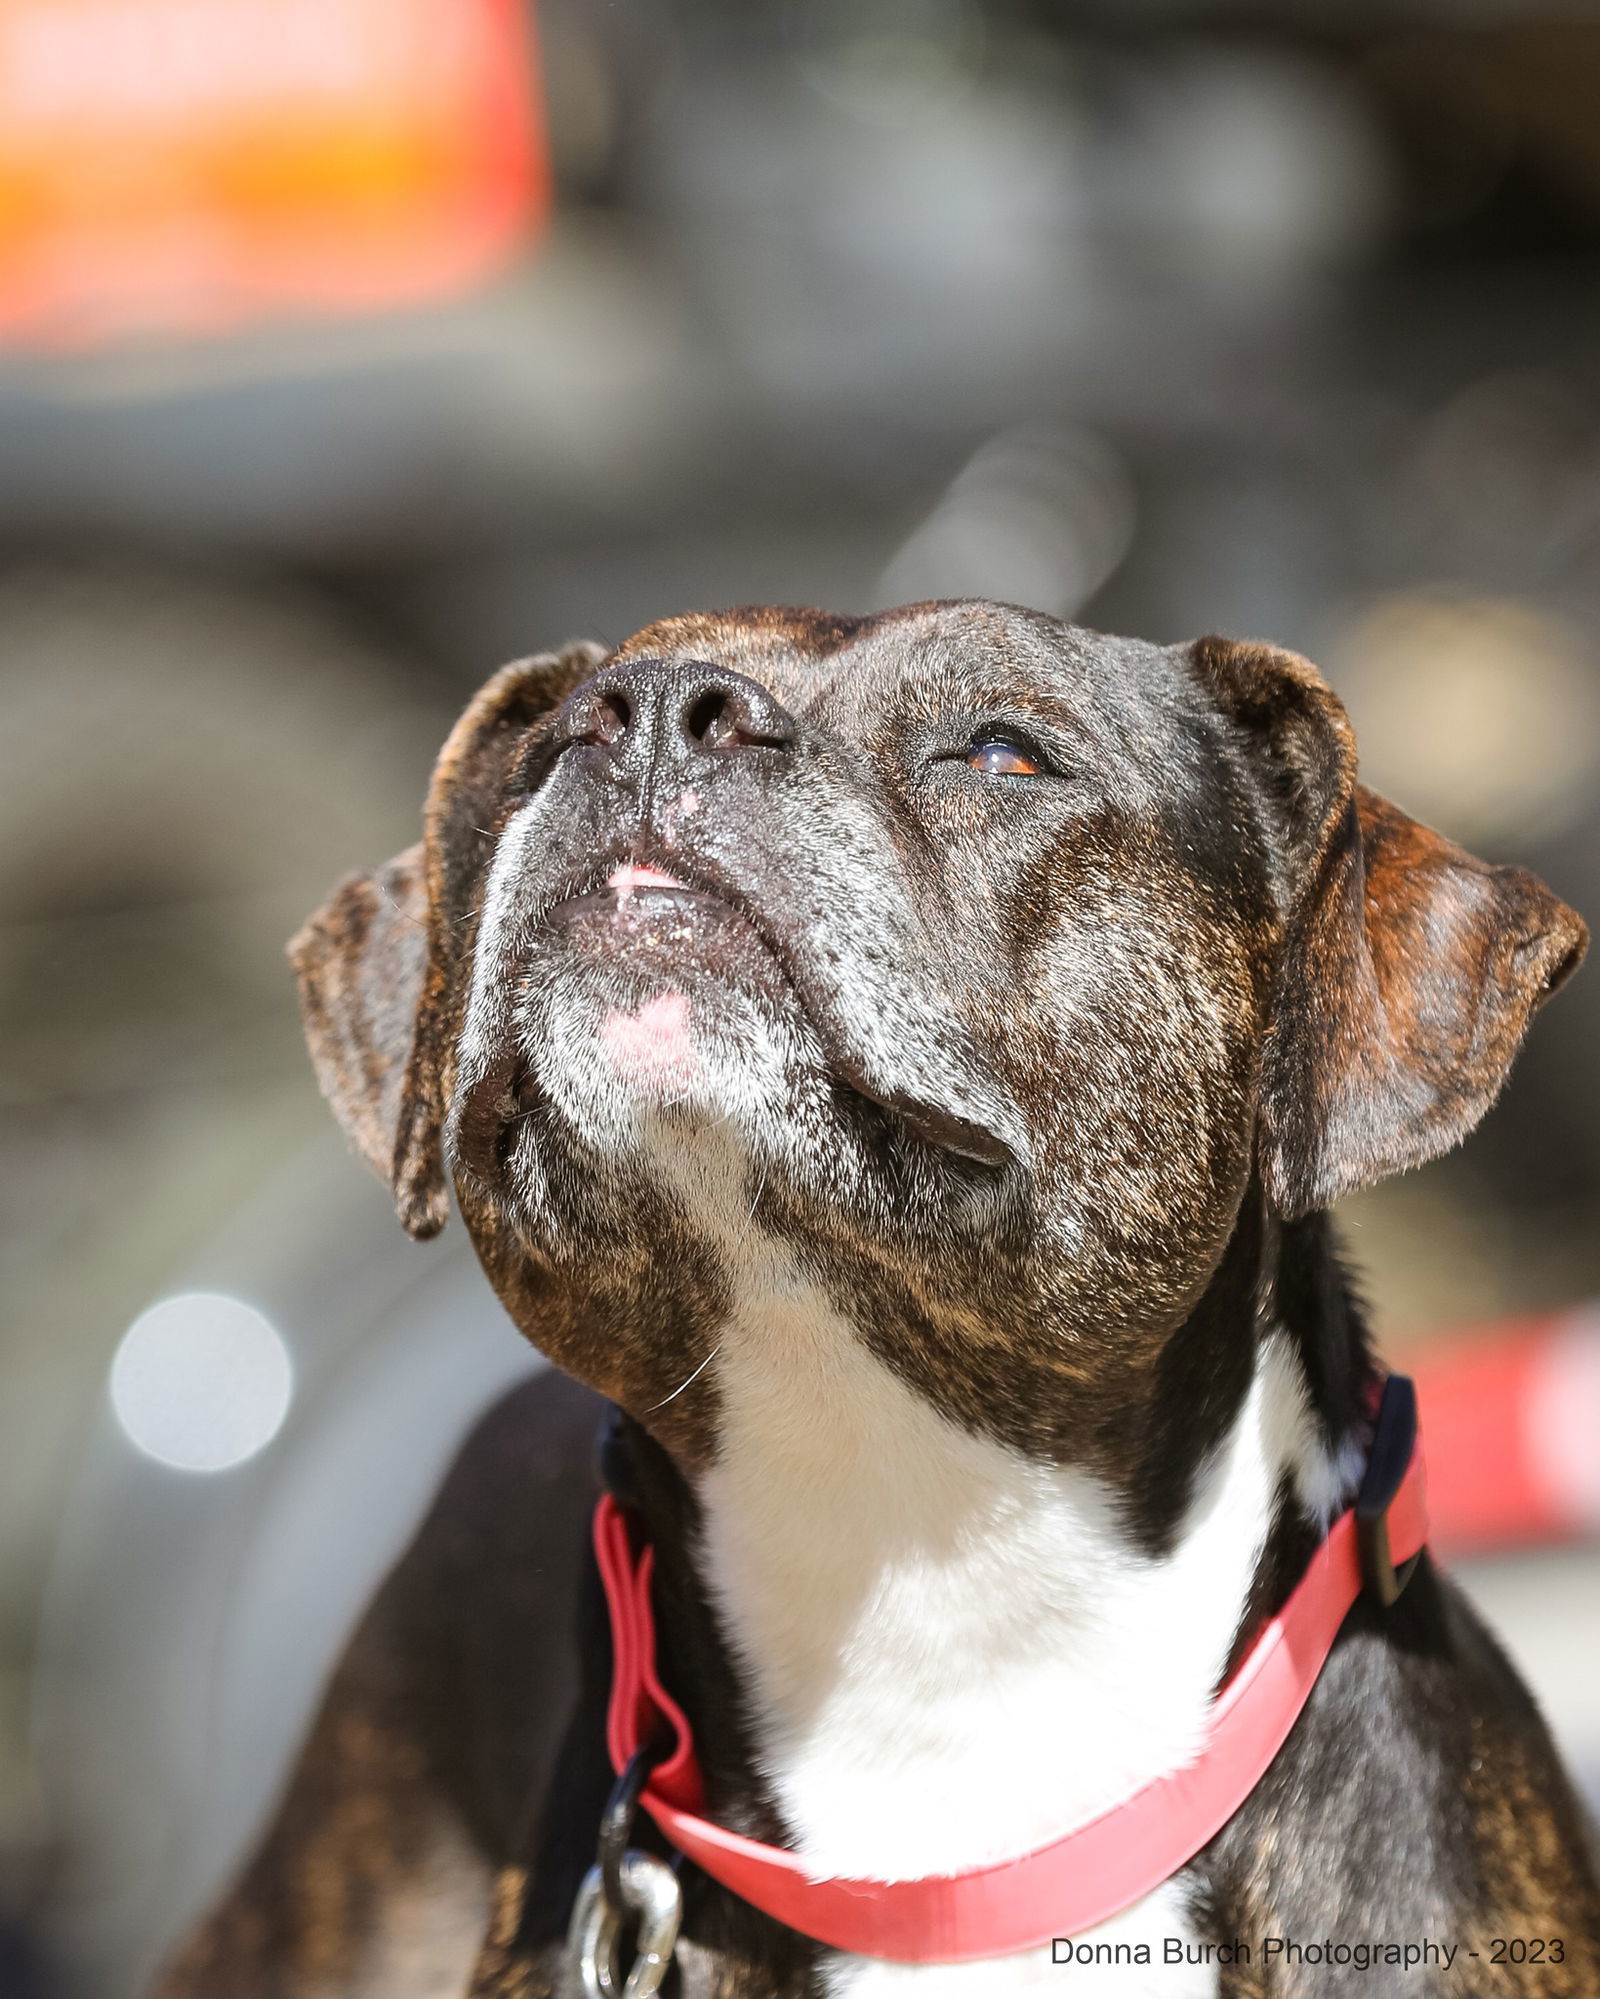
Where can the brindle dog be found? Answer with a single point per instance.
(904, 1063)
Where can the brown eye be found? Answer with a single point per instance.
(1000, 759)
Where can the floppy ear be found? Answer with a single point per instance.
(1409, 970)
(359, 962)
(378, 965)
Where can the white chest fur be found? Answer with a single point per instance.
(956, 1654)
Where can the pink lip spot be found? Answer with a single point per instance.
(653, 1044)
(633, 874)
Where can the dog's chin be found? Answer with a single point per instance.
(614, 1064)
(660, 1014)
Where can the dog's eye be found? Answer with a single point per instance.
(997, 756)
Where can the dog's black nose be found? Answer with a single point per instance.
(680, 710)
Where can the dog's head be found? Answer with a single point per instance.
(976, 960)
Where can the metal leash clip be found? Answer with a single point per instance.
(625, 1887)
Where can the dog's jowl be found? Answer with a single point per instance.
(903, 1065)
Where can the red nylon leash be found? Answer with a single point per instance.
(1091, 1873)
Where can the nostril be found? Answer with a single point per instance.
(707, 720)
(732, 718)
(613, 716)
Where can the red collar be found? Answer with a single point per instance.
(1106, 1865)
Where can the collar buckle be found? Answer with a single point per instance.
(1394, 1443)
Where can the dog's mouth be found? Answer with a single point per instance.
(669, 931)
(641, 911)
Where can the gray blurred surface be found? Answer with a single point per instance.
(193, 1616)
(1545, 1609)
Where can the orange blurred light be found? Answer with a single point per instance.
(184, 165)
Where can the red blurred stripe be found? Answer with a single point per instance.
(1511, 1418)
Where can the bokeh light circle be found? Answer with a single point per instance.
(201, 1382)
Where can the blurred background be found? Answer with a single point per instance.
(351, 347)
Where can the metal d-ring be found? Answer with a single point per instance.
(625, 1887)
(652, 1898)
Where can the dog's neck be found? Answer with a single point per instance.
(953, 1654)
(947, 1653)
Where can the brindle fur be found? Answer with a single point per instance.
(1186, 994)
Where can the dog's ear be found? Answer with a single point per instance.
(359, 963)
(1409, 969)
(378, 963)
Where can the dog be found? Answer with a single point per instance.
(902, 1065)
